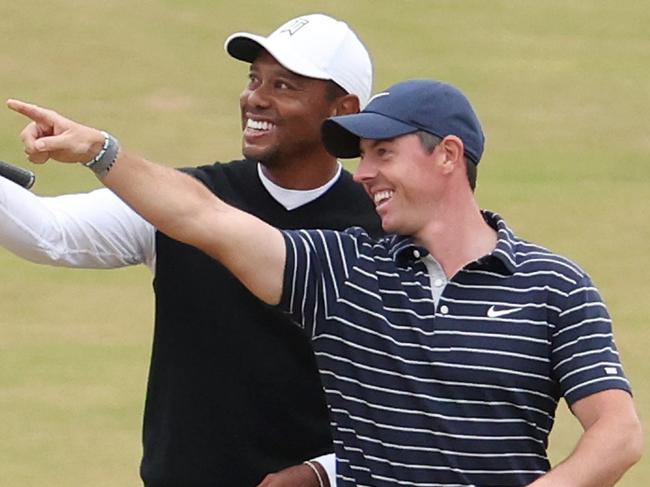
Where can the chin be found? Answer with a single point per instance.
(387, 227)
(254, 153)
(265, 155)
(393, 227)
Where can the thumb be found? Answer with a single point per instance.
(38, 150)
(77, 144)
(47, 144)
(64, 148)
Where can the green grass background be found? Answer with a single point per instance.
(562, 87)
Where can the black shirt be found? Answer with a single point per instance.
(234, 392)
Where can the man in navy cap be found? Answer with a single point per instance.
(444, 347)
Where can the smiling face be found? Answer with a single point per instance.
(282, 113)
(403, 180)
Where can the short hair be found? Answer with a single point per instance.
(472, 173)
(334, 91)
(430, 141)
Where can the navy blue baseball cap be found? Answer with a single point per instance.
(406, 107)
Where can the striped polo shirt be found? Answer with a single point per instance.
(458, 391)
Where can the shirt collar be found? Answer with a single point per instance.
(294, 198)
(504, 250)
(403, 249)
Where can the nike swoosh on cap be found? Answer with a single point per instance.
(492, 312)
(379, 95)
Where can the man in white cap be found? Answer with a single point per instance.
(233, 391)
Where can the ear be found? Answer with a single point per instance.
(346, 105)
(454, 153)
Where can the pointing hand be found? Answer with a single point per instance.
(52, 136)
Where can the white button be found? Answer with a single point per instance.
(444, 309)
(416, 254)
(437, 282)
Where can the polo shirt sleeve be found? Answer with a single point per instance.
(584, 356)
(315, 270)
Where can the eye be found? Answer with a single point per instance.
(383, 152)
(283, 85)
(253, 80)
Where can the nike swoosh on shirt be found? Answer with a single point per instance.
(496, 313)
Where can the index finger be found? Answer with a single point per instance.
(36, 113)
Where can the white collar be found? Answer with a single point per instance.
(293, 198)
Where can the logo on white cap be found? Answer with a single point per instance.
(294, 26)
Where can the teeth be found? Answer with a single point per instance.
(381, 196)
(258, 124)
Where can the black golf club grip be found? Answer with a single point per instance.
(18, 175)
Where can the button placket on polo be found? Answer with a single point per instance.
(437, 280)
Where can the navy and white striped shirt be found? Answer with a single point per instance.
(458, 392)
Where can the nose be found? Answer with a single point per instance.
(366, 170)
(256, 96)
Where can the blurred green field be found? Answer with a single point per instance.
(562, 87)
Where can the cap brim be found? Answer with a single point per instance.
(246, 47)
(243, 46)
(341, 135)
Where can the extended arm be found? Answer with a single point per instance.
(184, 209)
(173, 202)
(90, 230)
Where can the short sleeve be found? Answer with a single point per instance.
(315, 270)
(584, 356)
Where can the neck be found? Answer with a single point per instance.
(457, 235)
(307, 173)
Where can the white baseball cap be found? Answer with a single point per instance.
(315, 46)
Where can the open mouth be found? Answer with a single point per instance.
(381, 197)
(258, 126)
